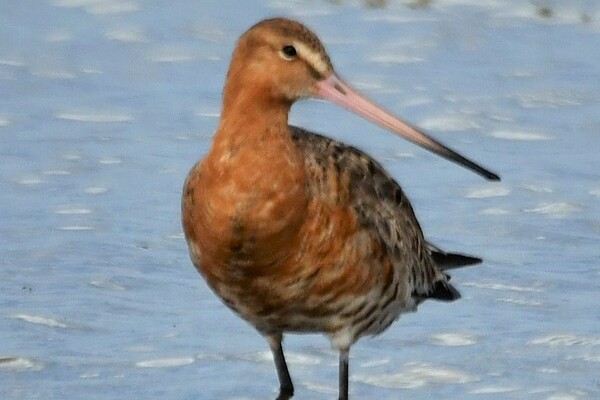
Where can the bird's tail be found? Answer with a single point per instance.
(443, 289)
(445, 260)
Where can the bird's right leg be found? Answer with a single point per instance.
(286, 388)
(343, 391)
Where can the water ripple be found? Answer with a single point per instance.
(39, 320)
(20, 364)
(93, 117)
(416, 376)
(165, 362)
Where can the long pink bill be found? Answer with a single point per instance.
(337, 91)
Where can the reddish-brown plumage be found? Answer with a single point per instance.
(294, 231)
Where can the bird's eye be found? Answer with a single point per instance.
(289, 52)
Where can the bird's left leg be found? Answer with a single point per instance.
(286, 388)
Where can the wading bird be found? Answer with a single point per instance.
(296, 232)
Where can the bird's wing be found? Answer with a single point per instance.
(381, 207)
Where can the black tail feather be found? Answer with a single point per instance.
(446, 260)
(444, 291)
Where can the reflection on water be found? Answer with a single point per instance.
(385, 3)
(541, 9)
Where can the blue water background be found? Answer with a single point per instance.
(106, 104)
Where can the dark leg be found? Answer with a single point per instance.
(286, 388)
(344, 374)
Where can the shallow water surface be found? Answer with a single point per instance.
(105, 105)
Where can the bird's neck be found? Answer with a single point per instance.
(249, 108)
(253, 143)
(253, 182)
(250, 126)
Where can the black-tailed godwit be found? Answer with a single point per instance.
(297, 232)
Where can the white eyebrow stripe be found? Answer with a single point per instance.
(311, 57)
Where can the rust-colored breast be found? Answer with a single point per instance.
(320, 241)
(242, 209)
